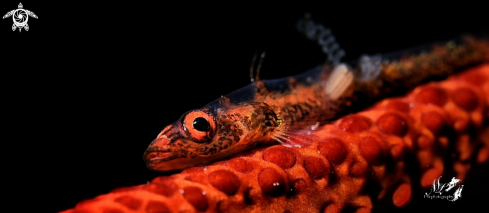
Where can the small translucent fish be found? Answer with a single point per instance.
(267, 112)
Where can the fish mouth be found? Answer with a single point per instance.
(155, 155)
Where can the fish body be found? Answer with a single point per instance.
(284, 110)
(262, 113)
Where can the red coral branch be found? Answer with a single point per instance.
(387, 152)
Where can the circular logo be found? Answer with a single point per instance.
(20, 17)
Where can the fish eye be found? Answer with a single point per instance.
(200, 125)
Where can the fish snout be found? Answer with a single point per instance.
(158, 151)
(160, 141)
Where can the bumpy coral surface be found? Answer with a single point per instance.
(386, 152)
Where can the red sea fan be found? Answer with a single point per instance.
(390, 153)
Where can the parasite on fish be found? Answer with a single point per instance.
(280, 111)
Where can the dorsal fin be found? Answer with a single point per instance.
(256, 77)
(324, 37)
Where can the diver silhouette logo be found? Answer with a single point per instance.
(20, 17)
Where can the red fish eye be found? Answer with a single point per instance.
(199, 125)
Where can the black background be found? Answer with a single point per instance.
(90, 85)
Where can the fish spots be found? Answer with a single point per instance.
(371, 150)
(392, 124)
(281, 156)
(355, 123)
(271, 182)
(240, 165)
(129, 202)
(434, 121)
(333, 149)
(224, 181)
(197, 197)
(296, 112)
(402, 195)
(465, 98)
(316, 168)
(432, 95)
(157, 207)
(264, 115)
(229, 133)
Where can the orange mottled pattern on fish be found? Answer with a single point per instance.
(285, 110)
(392, 151)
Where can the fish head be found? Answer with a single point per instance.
(205, 135)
